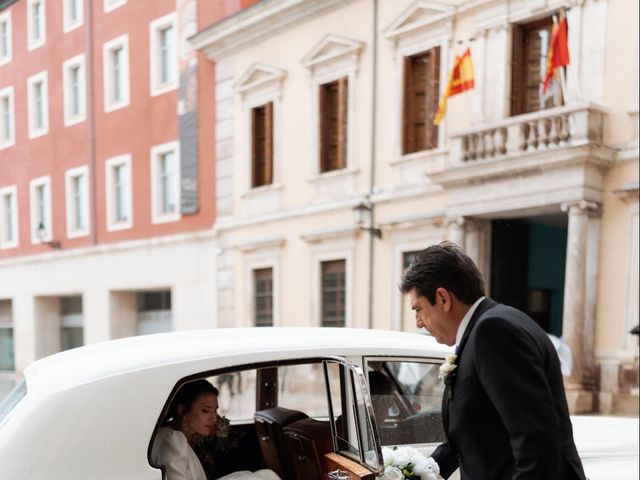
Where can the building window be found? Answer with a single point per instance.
(8, 217)
(263, 297)
(110, 5)
(116, 73)
(7, 122)
(7, 356)
(333, 125)
(41, 228)
(421, 94)
(118, 188)
(73, 14)
(77, 200)
(529, 60)
(333, 278)
(5, 38)
(71, 319)
(154, 312)
(163, 55)
(73, 72)
(262, 145)
(36, 23)
(165, 178)
(38, 105)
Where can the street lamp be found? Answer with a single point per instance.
(362, 218)
(41, 234)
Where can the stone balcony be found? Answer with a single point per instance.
(537, 132)
(540, 159)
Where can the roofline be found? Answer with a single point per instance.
(257, 22)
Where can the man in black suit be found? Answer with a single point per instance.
(504, 410)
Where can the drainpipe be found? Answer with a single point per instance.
(372, 159)
(91, 127)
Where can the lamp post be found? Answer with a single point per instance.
(362, 218)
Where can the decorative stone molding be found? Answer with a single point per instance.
(261, 21)
(420, 16)
(331, 234)
(259, 75)
(331, 49)
(263, 244)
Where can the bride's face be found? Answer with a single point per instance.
(202, 418)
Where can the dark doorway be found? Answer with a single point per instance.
(528, 266)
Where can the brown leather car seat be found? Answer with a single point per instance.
(269, 425)
(307, 442)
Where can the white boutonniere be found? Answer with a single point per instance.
(448, 372)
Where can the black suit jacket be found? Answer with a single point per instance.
(508, 417)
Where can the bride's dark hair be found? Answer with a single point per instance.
(186, 396)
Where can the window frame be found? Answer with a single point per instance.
(32, 41)
(110, 5)
(432, 136)
(110, 103)
(69, 24)
(325, 265)
(5, 243)
(73, 231)
(8, 93)
(268, 149)
(271, 295)
(156, 154)
(324, 124)
(68, 65)
(32, 81)
(158, 87)
(113, 224)
(34, 186)
(5, 18)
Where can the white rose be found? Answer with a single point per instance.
(388, 454)
(415, 456)
(447, 368)
(393, 473)
(451, 358)
(402, 457)
(428, 469)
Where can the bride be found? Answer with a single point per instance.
(193, 415)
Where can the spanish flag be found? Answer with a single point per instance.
(558, 55)
(461, 79)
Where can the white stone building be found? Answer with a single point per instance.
(324, 106)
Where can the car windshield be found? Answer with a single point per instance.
(11, 400)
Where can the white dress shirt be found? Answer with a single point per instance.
(465, 321)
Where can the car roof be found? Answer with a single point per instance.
(130, 354)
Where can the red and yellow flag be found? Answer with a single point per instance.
(460, 80)
(558, 55)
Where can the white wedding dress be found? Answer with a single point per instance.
(171, 449)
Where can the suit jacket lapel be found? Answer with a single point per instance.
(485, 305)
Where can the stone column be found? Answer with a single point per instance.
(579, 386)
(456, 231)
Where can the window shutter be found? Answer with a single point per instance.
(342, 122)
(517, 70)
(322, 127)
(407, 114)
(432, 97)
(254, 148)
(268, 143)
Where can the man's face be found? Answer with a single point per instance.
(434, 318)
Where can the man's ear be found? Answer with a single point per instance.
(444, 299)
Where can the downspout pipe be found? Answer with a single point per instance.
(91, 127)
(372, 158)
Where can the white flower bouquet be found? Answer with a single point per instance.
(407, 463)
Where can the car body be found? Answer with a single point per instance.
(92, 412)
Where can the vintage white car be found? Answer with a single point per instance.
(302, 401)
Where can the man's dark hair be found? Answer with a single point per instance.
(444, 266)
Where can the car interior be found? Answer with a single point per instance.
(305, 419)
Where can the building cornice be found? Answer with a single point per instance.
(107, 248)
(257, 22)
